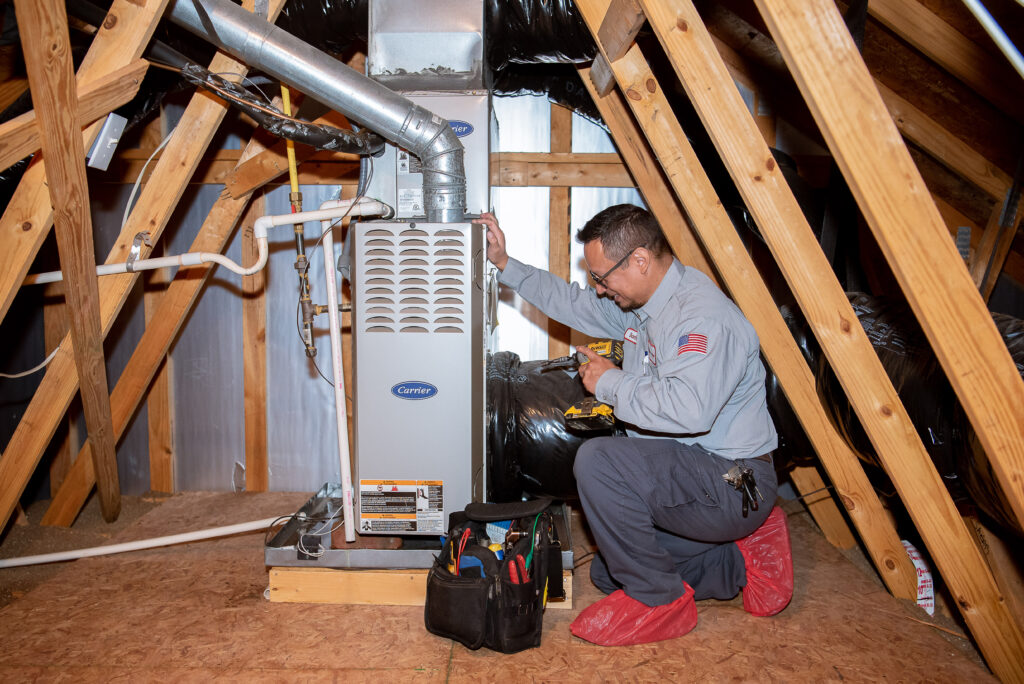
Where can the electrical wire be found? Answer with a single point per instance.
(296, 516)
(138, 181)
(299, 544)
(247, 80)
(33, 370)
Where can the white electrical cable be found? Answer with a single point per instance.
(138, 181)
(154, 542)
(30, 372)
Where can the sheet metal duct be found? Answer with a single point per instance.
(366, 102)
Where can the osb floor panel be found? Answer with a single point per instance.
(196, 613)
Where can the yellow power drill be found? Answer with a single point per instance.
(589, 414)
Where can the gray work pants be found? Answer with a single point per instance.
(660, 511)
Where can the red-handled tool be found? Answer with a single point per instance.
(462, 545)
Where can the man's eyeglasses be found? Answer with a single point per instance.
(599, 279)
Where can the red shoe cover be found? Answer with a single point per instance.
(769, 563)
(618, 620)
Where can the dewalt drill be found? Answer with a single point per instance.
(589, 414)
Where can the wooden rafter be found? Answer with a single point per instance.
(43, 28)
(986, 74)
(19, 137)
(709, 218)
(160, 399)
(909, 230)
(649, 179)
(828, 70)
(28, 216)
(156, 201)
(166, 322)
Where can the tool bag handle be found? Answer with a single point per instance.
(490, 512)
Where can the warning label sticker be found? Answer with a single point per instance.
(410, 200)
(396, 506)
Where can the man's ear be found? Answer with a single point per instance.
(642, 256)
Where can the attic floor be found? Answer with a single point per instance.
(196, 612)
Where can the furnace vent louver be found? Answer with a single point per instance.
(415, 280)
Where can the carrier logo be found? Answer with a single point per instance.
(414, 389)
(461, 128)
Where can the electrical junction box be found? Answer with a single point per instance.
(397, 179)
(418, 331)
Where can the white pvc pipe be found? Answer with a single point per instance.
(341, 421)
(999, 37)
(364, 207)
(190, 259)
(341, 417)
(210, 533)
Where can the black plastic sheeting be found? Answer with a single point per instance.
(520, 32)
(316, 135)
(531, 44)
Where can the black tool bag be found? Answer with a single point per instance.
(479, 600)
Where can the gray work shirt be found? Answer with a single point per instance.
(692, 369)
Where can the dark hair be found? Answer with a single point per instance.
(623, 227)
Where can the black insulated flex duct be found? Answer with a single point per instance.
(315, 135)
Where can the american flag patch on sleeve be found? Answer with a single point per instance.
(693, 342)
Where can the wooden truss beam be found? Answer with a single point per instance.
(254, 354)
(989, 75)
(46, 45)
(19, 137)
(709, 218)
(946, 148)
(916, 126)
(120, 41)
(559, 238)
(662, 202)
(835, 82)
(157, 200)
(174, 307)
(908, 228)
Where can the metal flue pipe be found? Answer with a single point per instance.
(364, 101)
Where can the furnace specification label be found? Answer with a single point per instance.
(397, 506)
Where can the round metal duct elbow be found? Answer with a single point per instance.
(364, 101)
(444, 173)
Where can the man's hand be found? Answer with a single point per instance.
(496, 253)
(591, 372)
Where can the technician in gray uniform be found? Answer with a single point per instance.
(691, 391)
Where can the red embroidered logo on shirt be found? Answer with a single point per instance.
(693, 342)
(631, 335)
(652, 352)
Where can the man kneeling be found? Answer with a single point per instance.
(673, 506)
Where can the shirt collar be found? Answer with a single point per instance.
(666, 288)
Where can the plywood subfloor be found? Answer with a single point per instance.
(197, 612)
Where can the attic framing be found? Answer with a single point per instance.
(654, 154)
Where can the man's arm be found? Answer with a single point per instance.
(567, 303)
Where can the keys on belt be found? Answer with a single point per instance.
(742, 479)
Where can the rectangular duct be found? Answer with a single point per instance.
(435, 45)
